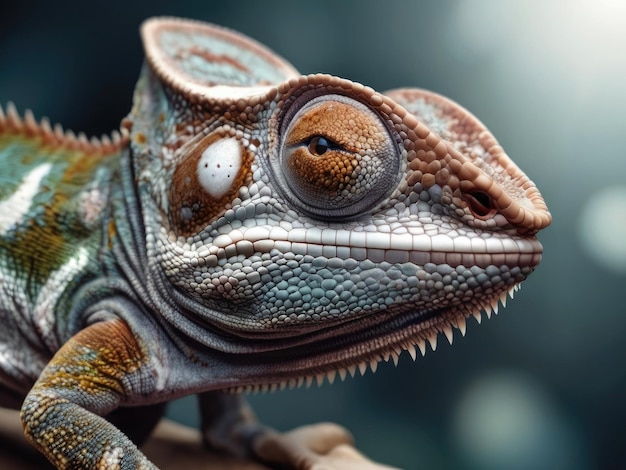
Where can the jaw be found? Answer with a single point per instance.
(356, 345)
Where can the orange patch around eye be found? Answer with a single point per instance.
(342, 123)
(206, 181)
(347, 126)
(329, 172)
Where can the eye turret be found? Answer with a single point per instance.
(337, 158)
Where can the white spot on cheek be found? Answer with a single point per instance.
(218, 166)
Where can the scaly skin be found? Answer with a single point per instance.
(250, 228)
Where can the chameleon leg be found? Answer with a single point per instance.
(88, 377)
(229, 424)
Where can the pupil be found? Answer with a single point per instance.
(318, 145)
(482, 198)
(480, 203)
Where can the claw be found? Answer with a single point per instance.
(447, 330)
(412, 352)
(477, 315)
(461, 325)
(432, 339)
(421, 344)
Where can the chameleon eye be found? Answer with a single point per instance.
(480, 204)
(337, 157)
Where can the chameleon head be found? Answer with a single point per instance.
(298, 210)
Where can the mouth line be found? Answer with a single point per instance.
(376, 247)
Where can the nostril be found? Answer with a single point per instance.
(480, 204)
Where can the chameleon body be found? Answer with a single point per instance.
(248, 228)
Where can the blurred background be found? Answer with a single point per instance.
(541, 386)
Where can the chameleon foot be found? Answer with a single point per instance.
(323, 446)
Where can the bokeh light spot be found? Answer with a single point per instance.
(602, 228)
(506, 420)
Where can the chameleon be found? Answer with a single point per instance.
(247, 228)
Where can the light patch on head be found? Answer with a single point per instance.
(14, 208)
(44, 308)
(219, 166)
